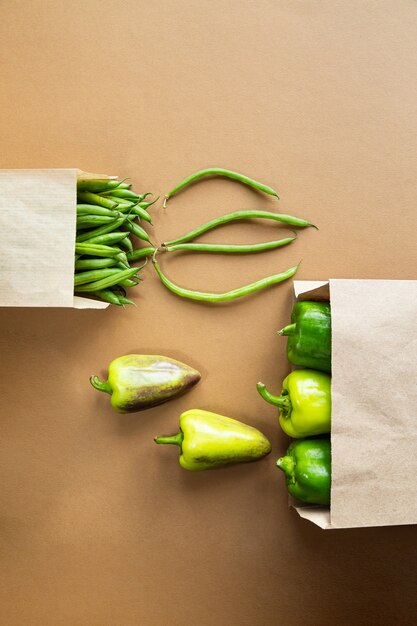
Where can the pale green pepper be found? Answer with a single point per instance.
(140, 381)
(208, 440)
(304, 404)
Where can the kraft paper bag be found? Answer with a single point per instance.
(37, 238)
(374, 402)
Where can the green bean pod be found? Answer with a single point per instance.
(92, 275)
(239, 215)
(92, 209)
(122, 258)
(98, 185)
(124, 300)
(228, 295)
(92, 264)
(102, 230)
(229, 248)
(109, 281)
(107, 295)
(97, 250)
(126, 244)
(87, 197)
(126, 194)
(142, 213)
(110, 238)
(90, 221)
(129, 282)
(121, 203)
(137, 230)
(219, 171)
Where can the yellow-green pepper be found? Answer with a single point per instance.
(304, 404)
(208, 440)
(140, 381)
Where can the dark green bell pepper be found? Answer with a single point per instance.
(307, 468)
(309, 335)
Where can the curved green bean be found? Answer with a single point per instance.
(230, 248)
(239, 215)
(219, 171)
(228, 295)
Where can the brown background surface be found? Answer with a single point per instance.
(98, 526)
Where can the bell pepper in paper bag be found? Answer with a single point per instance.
(307, 469)
(304, 403)
(309, 335)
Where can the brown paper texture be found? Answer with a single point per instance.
(37, 235)
(374, 403)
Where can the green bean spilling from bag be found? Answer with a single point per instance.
(108, 212)
(108, 215)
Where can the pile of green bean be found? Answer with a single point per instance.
(108, 212)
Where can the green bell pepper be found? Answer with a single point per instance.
(208, 440)
(309, 335)
(304, 404)
(140, 381)
(307, 468)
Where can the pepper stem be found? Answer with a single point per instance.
(286, 464)
(283, 402)
(101, 385)
(175, 439)
(288, 330)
